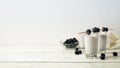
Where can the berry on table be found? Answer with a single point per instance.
(102, 54)
(115, 54)
(102, 57)
(77, 51)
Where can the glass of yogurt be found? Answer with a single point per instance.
(91, 45)
(102, 42)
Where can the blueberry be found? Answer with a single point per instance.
(105, 29)
(88, 31)
(102, 57)
(75, 40)
(96, 30)
(115, 54)
(102, 54)
(78, 52)
(76, 49)
(66, 42)
(71, 41)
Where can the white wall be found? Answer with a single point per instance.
(39, 21)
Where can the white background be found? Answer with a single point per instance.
(49, 21)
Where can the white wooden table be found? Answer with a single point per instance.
(51, 55)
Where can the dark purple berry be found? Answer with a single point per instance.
(88, 31)
(102, 57)
(78, 52)
(105, 29)
(115, 54)
(102, 54)
(75, 40)
(96, 30)
(76, 49)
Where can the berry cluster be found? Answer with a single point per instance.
(96, 30)
(71, 43)
(105, 29)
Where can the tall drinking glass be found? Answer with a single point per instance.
(91, 45)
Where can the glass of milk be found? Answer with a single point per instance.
(102, 41)
(91, 45)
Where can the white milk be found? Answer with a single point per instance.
(91, 44)
(102, 40)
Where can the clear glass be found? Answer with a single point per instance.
(102, 42)
(91, 45)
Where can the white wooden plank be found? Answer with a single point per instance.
(48, 53)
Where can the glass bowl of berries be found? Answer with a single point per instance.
(71, 43)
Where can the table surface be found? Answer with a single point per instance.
(49, 53)
(50, 56)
